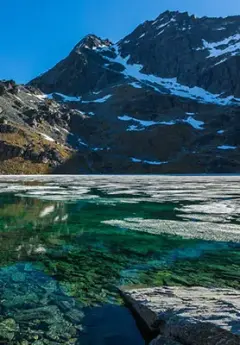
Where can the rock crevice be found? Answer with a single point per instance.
(188, 316)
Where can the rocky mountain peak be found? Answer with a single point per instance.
(165, 98)
(210, 52)
(173, 14)
(174, 17)
(93, 42)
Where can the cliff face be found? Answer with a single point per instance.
(164, 99)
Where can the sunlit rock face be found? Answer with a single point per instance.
(33, 131)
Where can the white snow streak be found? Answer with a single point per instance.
(46, 137)
(65, 97)
(144, 123)
(99, 100)
(136, 85)
(137, 160)
(194, 123)
(227, 147)
(170, 84)
(216, 48)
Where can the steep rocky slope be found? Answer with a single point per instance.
(32, 131)
(164, 99)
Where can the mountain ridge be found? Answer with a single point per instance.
(164, 99)
(199, 63)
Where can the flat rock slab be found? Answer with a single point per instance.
(194, 316)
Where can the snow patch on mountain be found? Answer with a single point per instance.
(97, 148)
(161, 32)
(98, 47)
(227, 147)
(40, 97)
(230, 45)
(65, 98)
(166, 24)
(99, 100)
(91, 42)
(134, 128)
(46, 137)
(136, 85)
(221, 61)
(81, 142)
(169, 84)
(143, 123)
(137, 160)
(194, 123)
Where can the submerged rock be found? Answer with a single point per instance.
(194, 316)
(29, 302)
(8, 328)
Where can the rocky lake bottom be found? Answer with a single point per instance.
(68, 242)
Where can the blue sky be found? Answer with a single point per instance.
(37, 34)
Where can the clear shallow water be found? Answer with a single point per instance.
(67, 243)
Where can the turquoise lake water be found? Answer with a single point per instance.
(68, 242)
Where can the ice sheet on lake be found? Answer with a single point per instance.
(214, 215)
(201, 230)
(47, 210)
(214, 207)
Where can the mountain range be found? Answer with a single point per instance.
(164, 99)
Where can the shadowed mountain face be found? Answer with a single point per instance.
(200, 52)
(164, 99)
